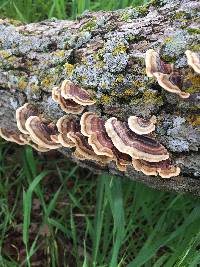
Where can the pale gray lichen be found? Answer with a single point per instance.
(180, 136)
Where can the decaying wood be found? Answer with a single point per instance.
(105, 52)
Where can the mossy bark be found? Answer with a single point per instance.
(104, 51)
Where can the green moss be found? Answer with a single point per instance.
(193, 31)
(195, 48)
(89, 26)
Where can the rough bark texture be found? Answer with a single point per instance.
(105, 51)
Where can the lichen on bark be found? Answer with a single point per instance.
(104, 52)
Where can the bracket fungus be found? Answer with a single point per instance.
(193, 60)
(15, 137)
(67, 105)
(69, 90)
(155, 64)
(141, 126)
(163, 72)
(93, 127)
(137, 146)
(22, 114)
(41, 132)
(169, 83)
(163, 168)
(65, 125)
(84, 151)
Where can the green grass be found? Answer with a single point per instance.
(29, 11)
(59, 215)
(53, 213)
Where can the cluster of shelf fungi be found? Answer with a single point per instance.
(94, 138)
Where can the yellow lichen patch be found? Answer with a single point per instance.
(137, 84)
(119, 49)
(194, 120)
(105, 99)
(129, 92)
(60, 53)
(69, 68)
(152, 97)
(120, 78)
(46, 82)
(22, 84)
(4, 54)
(194, 83)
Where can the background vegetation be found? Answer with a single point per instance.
(53, 213)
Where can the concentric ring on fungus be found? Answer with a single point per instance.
(65, 125)
(141, 126)
(22, 114)
(12, 136)
(67, 105)
(93, 127)
(155, 64)
(137, 146)
(41, 132)
(163, 168)
(69, 90)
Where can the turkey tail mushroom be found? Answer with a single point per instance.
(137, 146)
(193, 60)
(67, 105)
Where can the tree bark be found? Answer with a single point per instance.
(104, 51)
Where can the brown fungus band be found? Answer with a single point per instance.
(69, 90)
(155, 64)
(13, 136)
(137, 146)
(163, 168)
(193, 60)
(65, 125)
(141, 126)
(93, 127)
(84, 151)
(170, 83)
(22, 114)
(164, 73)
(41, 132)
(67, 105)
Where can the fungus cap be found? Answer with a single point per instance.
(193, 60)
(84, 150)
(69, 90)
(167, 83)
(164, 168)
(67, 105)
(12, 136)
(92, 126)
(22, 114)
(65, 125)
(137, 146)
(155, 64)
(41, 132)
(141, 126)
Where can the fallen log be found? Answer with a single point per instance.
(106, 53)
